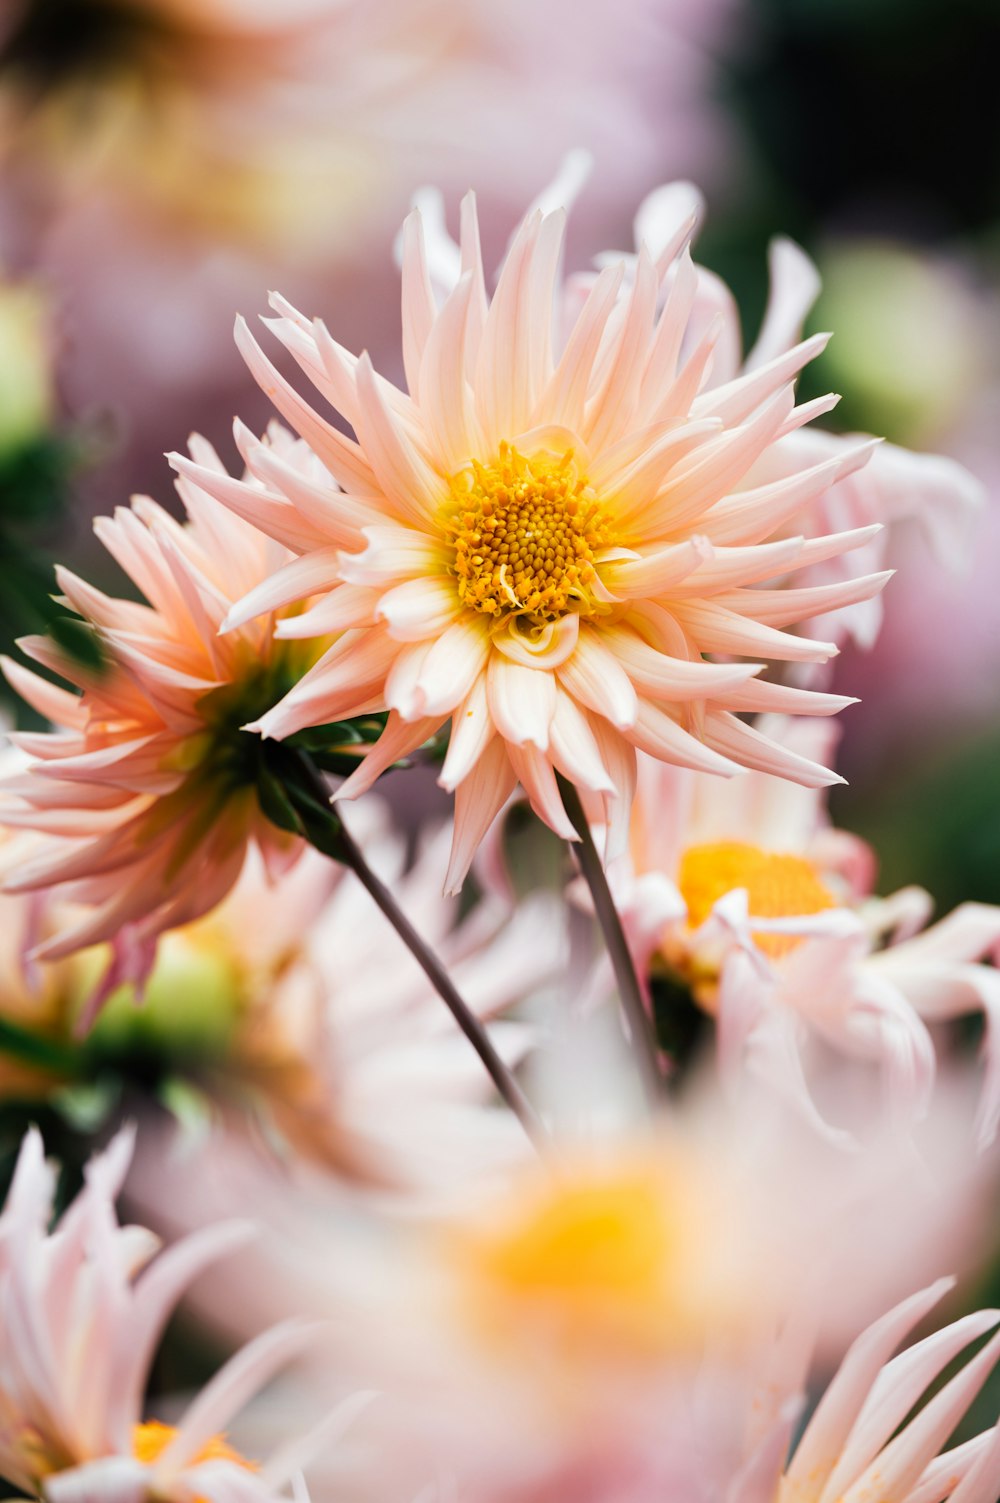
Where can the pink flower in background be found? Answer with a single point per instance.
(81, 1316)
(746, 897)
(540, 543)
(143, 793)
(640, 1323)
(161, 173)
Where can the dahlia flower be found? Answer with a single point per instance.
(542, 541)
(610, 1328)
(746, 899)
(145, 793)
(81, 1318)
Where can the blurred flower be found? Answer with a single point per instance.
(147, 794)
(540, 545)
(82, 1317)
(745, 898)
(605, 1326)
(161, 157)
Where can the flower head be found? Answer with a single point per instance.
(751, 902)
(82, 1315)
(637, 1319)
(543, 541)
(145, 793)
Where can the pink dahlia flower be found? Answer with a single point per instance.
(746, 897)
(609, 1331)
(541, 542)
(82, 1315)
(143, 793)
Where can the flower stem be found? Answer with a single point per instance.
(638, 1024)
(324, 829)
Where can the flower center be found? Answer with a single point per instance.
(149, 1441)
(778, 886)
(525, 533)
(588, 1260)
(603, 1261)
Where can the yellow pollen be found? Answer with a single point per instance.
(525, 532)
(778, 886)
(149, 1441)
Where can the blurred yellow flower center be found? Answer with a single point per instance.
(601, 1261)
(525, 533)
(778, 886)
(149, 1441)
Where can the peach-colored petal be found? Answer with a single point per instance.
(522, 702)
(398, 740)
(478, 800)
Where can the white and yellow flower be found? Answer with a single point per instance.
(747, 897)
(543, 540)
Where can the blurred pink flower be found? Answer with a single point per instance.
(81, 1319)
(746, 896)
(540, 544)
(159, 174)
(143, 794)
(638, 1324)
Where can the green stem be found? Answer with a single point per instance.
(638, 1023)
(325, 830)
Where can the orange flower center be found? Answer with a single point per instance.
(149, 1441)
(525, 533)
(778, 886)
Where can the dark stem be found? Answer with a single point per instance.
(325, 830)
(639, 1024)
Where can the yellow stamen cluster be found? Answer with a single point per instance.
(630, 1259)
(525, 532)
(588, 1261)
(150, 1440)
(778, 886)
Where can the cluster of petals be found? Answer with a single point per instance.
(896, 485)
(83, 1308)
(142, 811)
(546, 536)
(841, 969)
(858, 1444)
